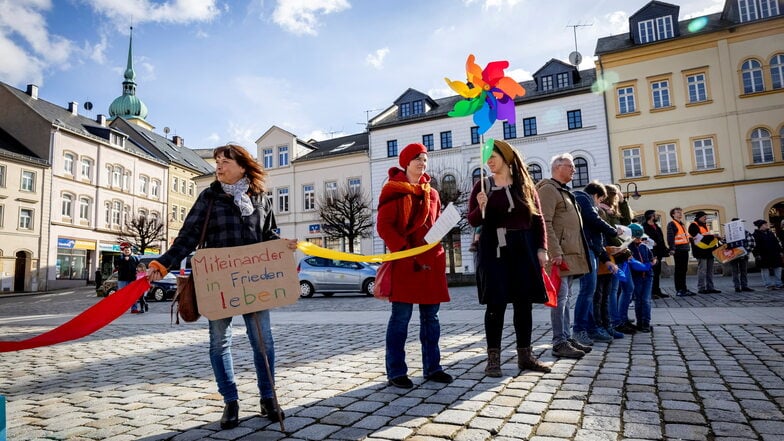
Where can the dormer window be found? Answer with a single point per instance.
(750, 10)
(405, 110)
(562, 80)
(659, 28)
(547, 82)
(418, 107)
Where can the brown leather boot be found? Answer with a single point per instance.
(493, 368)
(527, 360)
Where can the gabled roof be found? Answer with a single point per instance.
(563, 66)
(61, 117)
(163, 148)
(344, 145)
(653, 4)
(445, 105)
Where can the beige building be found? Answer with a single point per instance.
(695, 110)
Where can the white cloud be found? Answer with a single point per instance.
(300, 16)
(23, 68)
(142, 11)
(97, 52)
(487, 4)
(519, 75)
(376, 59)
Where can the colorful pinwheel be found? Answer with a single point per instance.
(489, 94)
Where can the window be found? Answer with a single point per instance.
(283, 200)
(175, 183)
(354, 184)
(575, 119)
(697, 88)
(405, 110)
(283, 156)
(446, 140)
(116, 176)
(87, 168)
(547, 82)
(761, 147)
(660, 92)
(755, 9)
(308, 197)
(267, 155)
(781, 141)
(752, 76)
(28, 181)
(427, 141)
(116, 210)
(143, 181)
(3, 173)
(668, 159)
(777, 71)
(562, 80)
(68, 163)
(183, 184)
(174, 210)
(67, 206)
(510, 131)
(126, 183)
(535, 170)
(632, 163)
(183, 212)
(529, 126)
(84, 208)
(476, 175)
(475, 139)
(154, 188)
(2, 216)
(116, 139)
(418, 107)
(580, 178)
(191, 188)
(448, 190)
(626, 100)
(26, 219)
(659, 28)
(392, 148)
(331, 190)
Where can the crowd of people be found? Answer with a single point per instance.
(525, 232)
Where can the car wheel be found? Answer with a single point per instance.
(305, 289)
(328, 294)
(370, 284)
(158, 294)
(111, 291)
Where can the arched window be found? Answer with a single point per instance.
(535, 170)
(84, 208)
(752, 76)
(777, 71)
(67, 208)
(448, 188)
(581, 177)
(761, 147)
(68, 163)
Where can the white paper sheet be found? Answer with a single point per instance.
(448, 219)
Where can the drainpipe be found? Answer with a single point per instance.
(606, 120)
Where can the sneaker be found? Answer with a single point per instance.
(402, 382)
(747, 289)
(614, 333)
(583, 338)
(682, 294)
(566, 350)
(627, 328)
(440, 377)
(579, 347)
(601, 336)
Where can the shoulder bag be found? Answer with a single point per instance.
(184, 303)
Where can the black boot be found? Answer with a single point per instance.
(270, 410)
(231, 415)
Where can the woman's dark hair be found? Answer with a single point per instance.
(253, 170)
(521, 180)
(595, 188)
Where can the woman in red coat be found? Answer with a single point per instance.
(407, 208)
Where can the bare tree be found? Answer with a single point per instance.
(346, 214)
(455, 189)
(142, 231)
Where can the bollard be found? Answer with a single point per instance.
(2, 418)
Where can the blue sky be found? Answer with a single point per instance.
(216, 71)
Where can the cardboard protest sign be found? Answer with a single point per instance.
(238, 280)
(734, 231)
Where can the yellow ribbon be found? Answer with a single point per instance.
(315, 250)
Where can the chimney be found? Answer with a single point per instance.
(73, 107)
(178, 141)
(101, 119)
(32, 90)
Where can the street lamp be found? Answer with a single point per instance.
(636, 195)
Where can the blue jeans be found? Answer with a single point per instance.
(220, 354)
(559, 316)
(583, 307)
(612, 301)
(643, 287)
(626, 291)
(429, 334)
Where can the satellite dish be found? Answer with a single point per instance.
(575, 58)
(166, 130)
(88, 105)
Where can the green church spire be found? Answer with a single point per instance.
(128, 106)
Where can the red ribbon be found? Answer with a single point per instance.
(89, 321)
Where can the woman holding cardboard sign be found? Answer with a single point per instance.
(239, 214)
(407, 208)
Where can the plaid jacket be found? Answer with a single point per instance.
(226, 228)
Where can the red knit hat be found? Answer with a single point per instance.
(410, 152)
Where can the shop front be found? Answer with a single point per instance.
(74, 258)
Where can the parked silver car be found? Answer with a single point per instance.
(328, 276)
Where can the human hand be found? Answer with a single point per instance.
(542, 256)
(481, 199)
(292, 244)
(153, 274)
(613, 268)
(614, 250)
(557, 260)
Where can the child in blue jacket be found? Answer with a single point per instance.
(641, 262)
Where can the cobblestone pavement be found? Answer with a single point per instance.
(713, 369)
